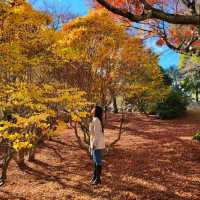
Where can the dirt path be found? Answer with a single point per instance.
(155, 160)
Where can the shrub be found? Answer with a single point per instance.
(173, 106)
(197, 136)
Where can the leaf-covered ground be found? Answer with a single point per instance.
(155, 160)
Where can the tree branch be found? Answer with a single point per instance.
(153, 13)
(183, 47)
(191, 5)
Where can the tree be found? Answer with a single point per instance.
(35, 115)
(115, 60)
(31, 101)
(175, 23)
(174, 73)
(143, 83)
(92, 44)
(25, 41)
(190, 73)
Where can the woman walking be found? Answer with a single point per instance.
(97, 143)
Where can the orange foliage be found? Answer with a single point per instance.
(115, 62)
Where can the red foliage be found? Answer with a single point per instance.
(175, 34)
(160, 42)
(197, 43)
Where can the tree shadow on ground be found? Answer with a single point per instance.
(148, 164)
(146, 174)
(149, 177)
(11, 196)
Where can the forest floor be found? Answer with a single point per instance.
(156, 160)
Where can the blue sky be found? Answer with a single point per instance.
(167, 58)
(75, 6)
(78, 6)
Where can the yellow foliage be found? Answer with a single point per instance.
(31, 107)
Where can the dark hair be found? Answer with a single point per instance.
(99, 114)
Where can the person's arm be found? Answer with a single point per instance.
(91, 131)
(91, 128)
(97, 132)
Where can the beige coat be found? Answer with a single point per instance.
(97, 140)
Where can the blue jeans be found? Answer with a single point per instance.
(97, 156)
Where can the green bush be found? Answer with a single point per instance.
(197, 136)
(173, 106)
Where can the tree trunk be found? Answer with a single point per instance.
(121, 131)
(197, 94)
(105, 113)
(31, 153)
(115, 104)
(81, 143)
(20, 158)
(6, 161)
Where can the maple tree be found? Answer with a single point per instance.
(94, 45)
(175, 23)
(110, 56)
(143, 81)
